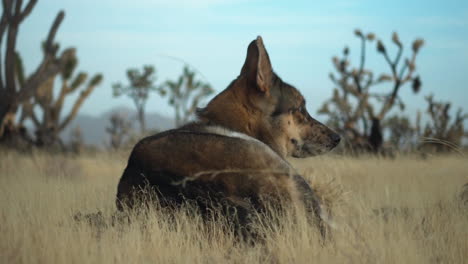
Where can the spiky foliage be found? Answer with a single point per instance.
(119, 129)
(52, 121)
(15, 87)
(141, 84)
(442, 131)
(356, 109)
(185, 94)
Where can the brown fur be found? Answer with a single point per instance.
(235, 154)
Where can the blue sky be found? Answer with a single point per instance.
(212, 35)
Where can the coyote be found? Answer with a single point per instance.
(235, 153)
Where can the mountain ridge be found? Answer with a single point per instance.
(93, 128)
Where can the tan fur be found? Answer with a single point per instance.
(235, 153)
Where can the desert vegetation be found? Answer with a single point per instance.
(384, 211)
(15, 87)
(360, 108)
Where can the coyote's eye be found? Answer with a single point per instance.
(301, 109)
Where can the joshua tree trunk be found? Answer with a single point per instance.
(178, 122)
(375, 137)
(141, 119)
(8, 115)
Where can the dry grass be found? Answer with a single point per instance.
(386, 211)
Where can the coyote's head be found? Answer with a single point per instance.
(259, 104)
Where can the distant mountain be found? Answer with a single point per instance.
(93, 128)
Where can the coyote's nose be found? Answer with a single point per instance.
(335, 138)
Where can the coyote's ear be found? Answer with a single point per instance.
(257, 67)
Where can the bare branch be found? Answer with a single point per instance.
(27, 10)
(10, 56)
(411, 69)
(392, 66)
(7, 9)
(53, 31)
(402, 72)
(18, 5)
(3, 24)
(398, 56)
(61, 97)
(357, 79)
(74, 111)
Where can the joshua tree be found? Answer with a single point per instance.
(76, 140)
(141, 85)
(119, 129)
(185, 94)
(52, 122)
(15, 89)
(441, 129)
(402, 132)
(352, 110)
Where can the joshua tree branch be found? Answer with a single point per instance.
(370, 82)
(398, 80)
(392, 66)
(361, 67)
(84, 94)
(3, 24)
(61, 97)
(27, 10)
(18, 5)
(52, 32)
(14, 21)
(10, 54)
(398, 56)
(7, 8)
(411, 69)
(402, 72)
(390, 101)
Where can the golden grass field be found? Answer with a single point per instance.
(402, 210)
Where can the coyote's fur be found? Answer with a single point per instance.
(235, 153)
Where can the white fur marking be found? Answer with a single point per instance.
(229, 133)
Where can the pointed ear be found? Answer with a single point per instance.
(257, 67)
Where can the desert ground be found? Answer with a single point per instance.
(401, 210)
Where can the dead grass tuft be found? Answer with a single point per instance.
(404, 210)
